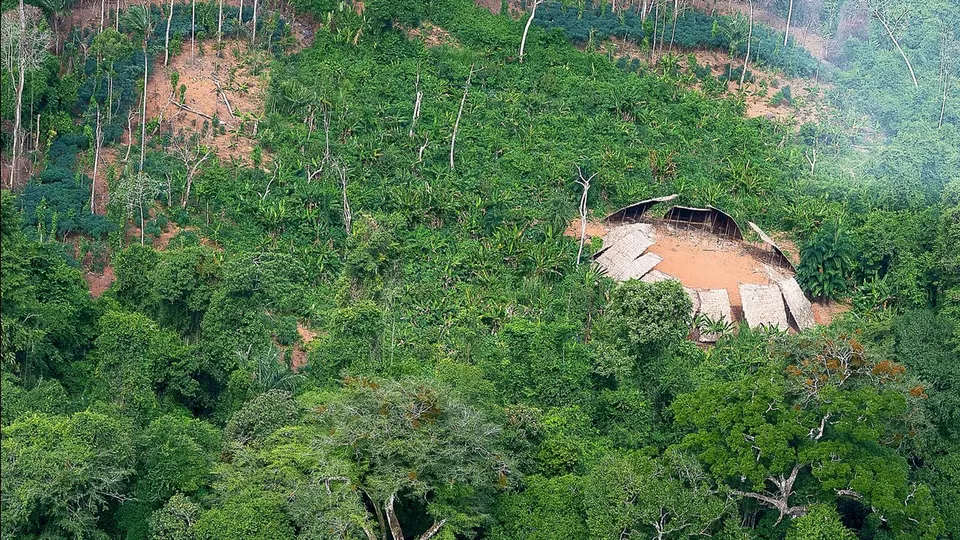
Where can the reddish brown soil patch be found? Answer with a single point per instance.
(99, 283)
(702, 260)
(594, 229)
(825, 314)
(243, 75)
(299, 355)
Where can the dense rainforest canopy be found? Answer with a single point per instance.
(342, 300)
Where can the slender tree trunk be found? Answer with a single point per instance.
(416, 104)
(523, 40)
(18, 110)
(943, 101)
(786, 32)
(673, 31)
(116, 21)
(656, 20)
(240, 17)
(347, 214)
(143, 114)
(456, 125)
(585, 184)
(395, 531)
(219, 26)
(166, 42)
(17, 123)
(142, 224)
(98, 138)
(193, 29)
(103, 11)
(896, 43)
(746, 59)
(432, 531)
(253, 39)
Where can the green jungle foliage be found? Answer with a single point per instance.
(468, 377)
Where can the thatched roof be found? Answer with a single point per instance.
(800, 307)
(710, 218)
(636, 210)
(783, 259)
(655, 275)
(694, 300)
(715, 303)
(617, 234)
(763, 306)
(639, 267)
(622, 260)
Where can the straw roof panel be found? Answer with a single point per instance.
(763, 306)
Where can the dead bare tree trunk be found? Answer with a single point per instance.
(673, 31)
(191, 173)
(523, 40)
(347, 214)
(21, 76)
(456, 125)
(219, 26)
(143, 113)
(746, 59)
(116, 20)
(585, 184)
(780, 499)
(253, 39)
(103, 12)
(886, 26)
(193, 29)
(98, 140)
(786, 32)
(166, 41)
(416, 103)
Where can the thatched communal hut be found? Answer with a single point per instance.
(710, 218)
(635, 211)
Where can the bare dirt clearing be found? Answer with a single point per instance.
(226, 90)
(702, 260)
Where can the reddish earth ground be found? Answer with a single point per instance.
(594, 229)
(243, 76)
(99, 283)
(300, 355)
(704, 261)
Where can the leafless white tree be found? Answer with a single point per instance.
(456, 125)
(24, 39)
(523, 40)
(585, 184)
